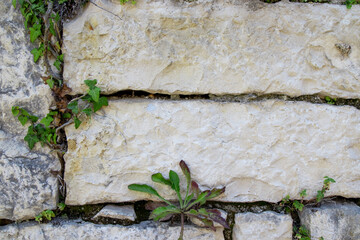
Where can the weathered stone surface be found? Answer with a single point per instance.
(72, 230)
(260, 151)
(215, 47)
(118, 212)
(332, 221)
(26, 185)
(266, 225)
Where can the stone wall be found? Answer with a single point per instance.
(235, 88)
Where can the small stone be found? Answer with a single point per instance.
(266, 225)
(332, 221)
(117, 212)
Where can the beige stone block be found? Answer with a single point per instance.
(261, 151)
(217, 47)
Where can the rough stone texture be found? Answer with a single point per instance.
(215, 47)
(117, 212)
(332, 221)
(26, 186)
(73, 230)
(260, 151)
(266, 225)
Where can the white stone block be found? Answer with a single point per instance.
(217, 47)
(260, 151)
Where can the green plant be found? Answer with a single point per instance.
(295, 205)
(93, 99)
(41, 132)
(302, 233)
(190, 206)
(44, 26)
(349, 3)
(45, 131)
(330, 100)
(48, 214)
(325, 187)
(125, 1)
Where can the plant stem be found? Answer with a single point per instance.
(182, 227)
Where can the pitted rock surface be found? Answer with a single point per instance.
(26, 185)
(217, 47)
(261, 151)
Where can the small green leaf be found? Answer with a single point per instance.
(189, 198)
(46, 121)
(54, 138)
(77, 122)
(15, 110)
(143, 188)
(23, 119)
(66, 115)
(94, 93)
(31, 137)
(38, 52)
(162, 212)
(87, 111)
(215, 192)
(38, 218)
(73, 106)
(327, 179)
(61, 57)
(50, 82)
(298, 206)
(61, 206)
(91, 83)
(33, 118)
(35, 32)
(193, 211)
(303, 193)
(159, 178)
(102, 102)
(203, 211)
(51, 27)
(319, 196)
(175, 181)
(14, 3)
(48, 214)
(57, 64)
(208, 223)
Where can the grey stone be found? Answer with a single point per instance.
(217, 47)
(332, 221)
(117, 212)
(76, 230)
(26, 185)
(266, 225)
(260, 151)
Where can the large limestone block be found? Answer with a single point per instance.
(217, 47)
(332, 221)
(26, 185)
(73, 230)
(266, 225)
(260, 151)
